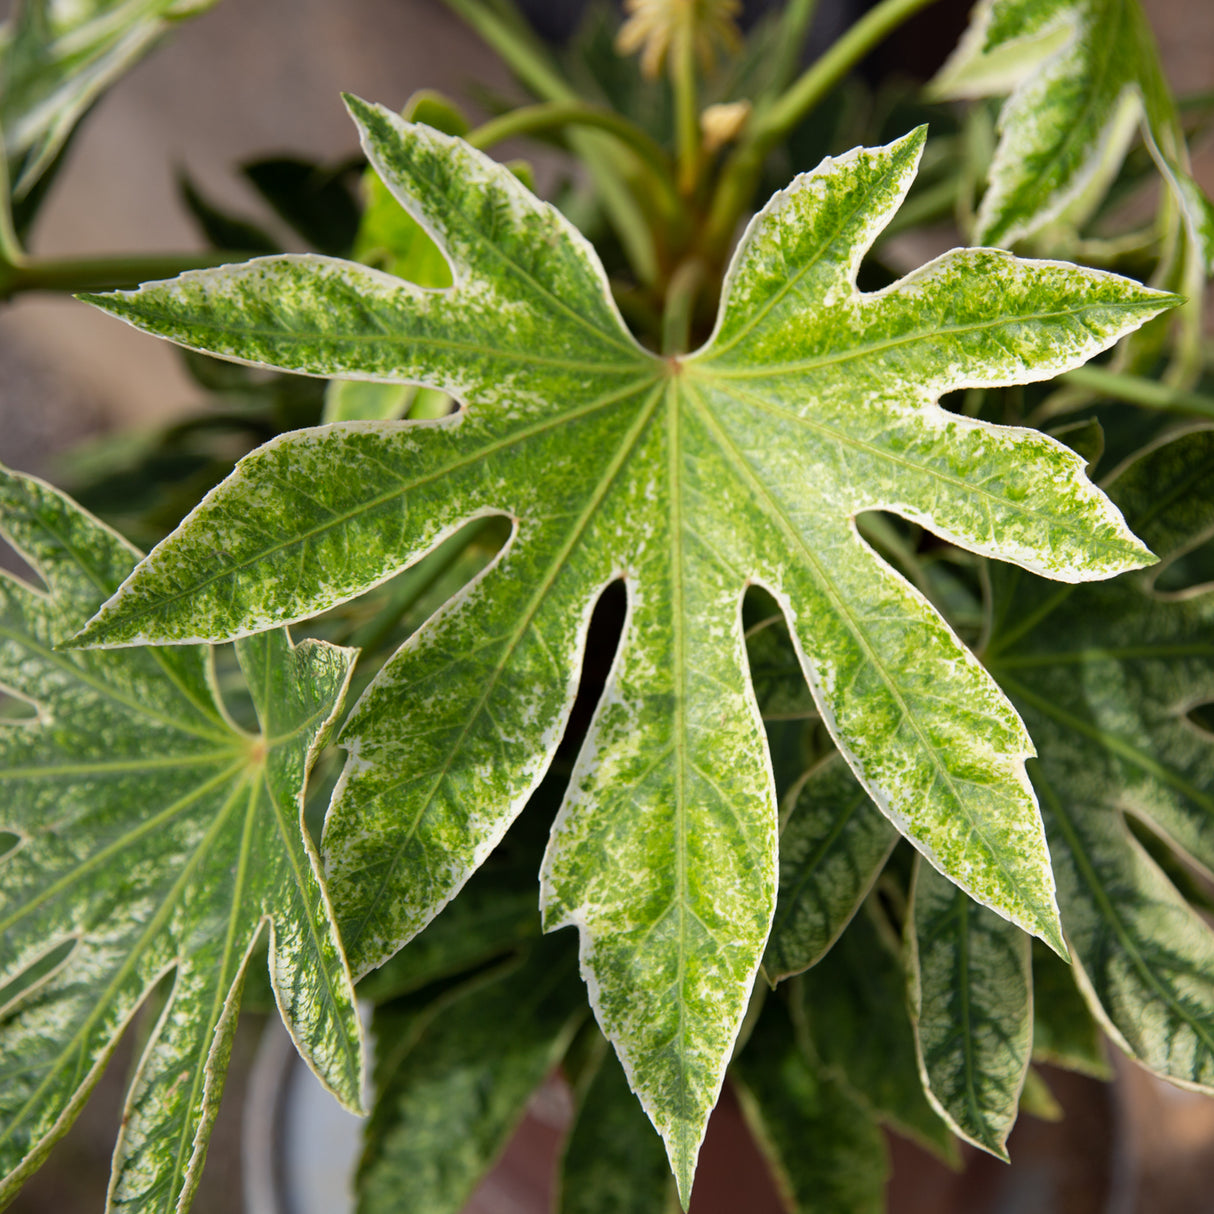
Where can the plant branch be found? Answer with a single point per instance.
(554, 115)
(777, 121)
(687, 110)
(1136, 390)
(74, 274)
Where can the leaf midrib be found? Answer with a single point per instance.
(1145, 972)
(595, 499)
(741, 465)
(158, 605)
(772, 370)
(155, 924)
(162, 320)
(964, 487)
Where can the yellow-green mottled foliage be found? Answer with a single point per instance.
(690, 477)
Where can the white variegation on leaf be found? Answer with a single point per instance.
(56, 59)
(1083, 75)
(689, 477)
(153, 838)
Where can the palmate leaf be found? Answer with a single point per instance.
(1106, 677)
(1082, 75)
(56, 59)
(688, 476)
(152, 837)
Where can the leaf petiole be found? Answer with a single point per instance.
(74, 274)
(740, 174)
(1136, 390)
(554, 115)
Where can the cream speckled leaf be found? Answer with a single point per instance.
(971, 1001)
(1082, 74)
(56, 58)
(689, 477)
(1105, 677)
(152, 837)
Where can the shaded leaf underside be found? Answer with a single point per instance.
(689, 477)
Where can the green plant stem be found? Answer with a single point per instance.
(741, 173)
(554, 115)
(529, 61)
(521, 53)
(687, 109)
(794, 28)
(680, 306)
(1136, 390)
(72, 274)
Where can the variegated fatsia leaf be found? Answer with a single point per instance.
(58, 56)
(1107, 679)
(1083, 75)
(149, 836)
(689, 476)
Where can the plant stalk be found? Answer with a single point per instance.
(1135, 390)
(74, 274)
(555, 115)
(740, 175)
(687, 110)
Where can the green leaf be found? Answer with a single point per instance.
(57, 59)
(832, 848)
(972, 1006)
(314, 200)
(826, 1151)
(853, 1005)
(614, 1162)
(154, 838)
(448, 1106)
(689, 476)
(1065, 1033)
(1106, 678)
(222, 229)
(1082, 74)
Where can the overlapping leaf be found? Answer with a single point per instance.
(56, 59)
(832, 848)
(1082, 74)
(690, 476)
(152, 837)
(972, 1004)
(1106, 678)
(826, 1150)
(453, 1088)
